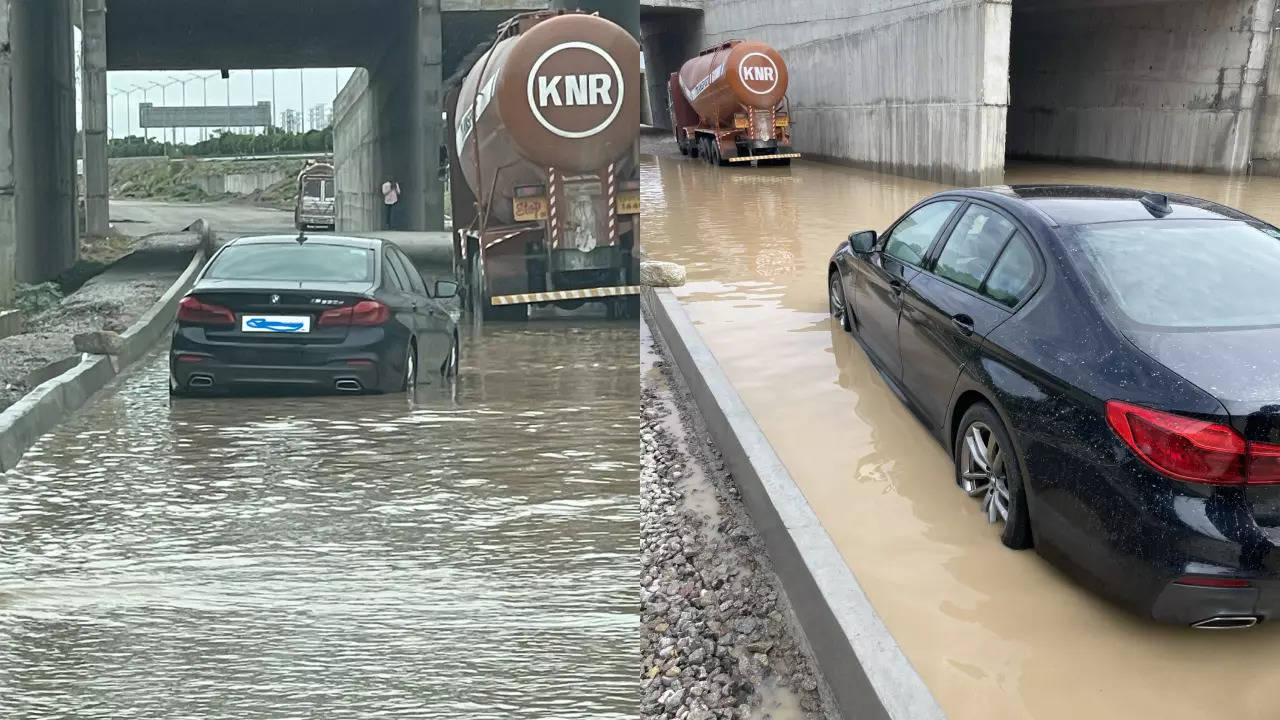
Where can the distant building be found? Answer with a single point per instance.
(291, 121)
(319, 117)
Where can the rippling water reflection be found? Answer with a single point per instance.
(336, 557)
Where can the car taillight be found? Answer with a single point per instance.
(194, 312)
(365, 312)
(1214, 582)
(1193, 450)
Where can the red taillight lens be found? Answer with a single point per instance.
(1193, 450)
(1216, 582)
(365, 312)
(194, 312)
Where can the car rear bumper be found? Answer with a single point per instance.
(363, 363)
(1218, 607)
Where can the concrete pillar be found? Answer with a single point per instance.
(625, 13)
(429, 108)
(8, 227)
(43, 102)
(97, 209)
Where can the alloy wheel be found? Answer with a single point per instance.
(983, 471)
(835, 300)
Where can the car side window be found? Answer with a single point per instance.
(411, 273)
(1014, 271)
(911, 237)
(973, 246)
(392, 274)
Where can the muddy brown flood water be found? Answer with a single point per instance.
(996, 634)
(351, 557)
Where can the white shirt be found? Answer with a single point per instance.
(390, 193)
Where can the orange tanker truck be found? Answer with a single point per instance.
(729, 105)
(542, 130)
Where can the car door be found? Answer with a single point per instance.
(399, 297)
(946, 309)
(435, 335)
(884, 274)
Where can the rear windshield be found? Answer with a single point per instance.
(310, 261)
(1184, 273)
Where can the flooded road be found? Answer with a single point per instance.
(996, 634)
(354, 557)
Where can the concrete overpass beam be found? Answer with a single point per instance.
(94, 98)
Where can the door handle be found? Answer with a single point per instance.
(896, 286)
(963, 323)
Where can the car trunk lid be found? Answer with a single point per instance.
(257, 301)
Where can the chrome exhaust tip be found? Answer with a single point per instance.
(348, 385)
(1227, 622)
(200, 381)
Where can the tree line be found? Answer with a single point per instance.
(224, 143)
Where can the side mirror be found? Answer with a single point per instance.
(863, 242)
(446, 289)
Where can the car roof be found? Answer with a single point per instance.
(344, 240)
(1088, 204)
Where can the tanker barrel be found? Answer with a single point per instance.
(564, 93)
(721, 80)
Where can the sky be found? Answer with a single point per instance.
(320, 85)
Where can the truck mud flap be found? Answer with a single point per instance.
(554, 295)
(749, 158)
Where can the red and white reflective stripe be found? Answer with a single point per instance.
(553, 295)
(508, 236)
(551, 200)
(613, 206)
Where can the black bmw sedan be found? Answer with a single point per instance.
(1104, 366)
(322, 313)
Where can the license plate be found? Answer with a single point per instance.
(528, 209)
(276, 323)
(629, 202)
(781, 122)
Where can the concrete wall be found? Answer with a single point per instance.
(43, 116)
(356, 157)
(909, 86)
(1156, 84)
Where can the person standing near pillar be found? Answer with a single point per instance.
(390, 198)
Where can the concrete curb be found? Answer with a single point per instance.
(40, 410)
(869, 675)
(10, 323)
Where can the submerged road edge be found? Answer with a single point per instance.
(49, 403)
(869, 675)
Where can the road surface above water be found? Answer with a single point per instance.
(143, 217)
(352, 557)
(996, 634)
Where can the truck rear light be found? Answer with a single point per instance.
(193, 311)
(363, 313)
(1193, 450)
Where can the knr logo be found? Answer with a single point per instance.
(575, 104)
(758, 73)
(578, 90)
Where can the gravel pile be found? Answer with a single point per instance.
(718, 642)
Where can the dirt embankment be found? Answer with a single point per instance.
(193, 180)
(112, 300)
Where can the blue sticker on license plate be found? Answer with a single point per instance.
(276, 323)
